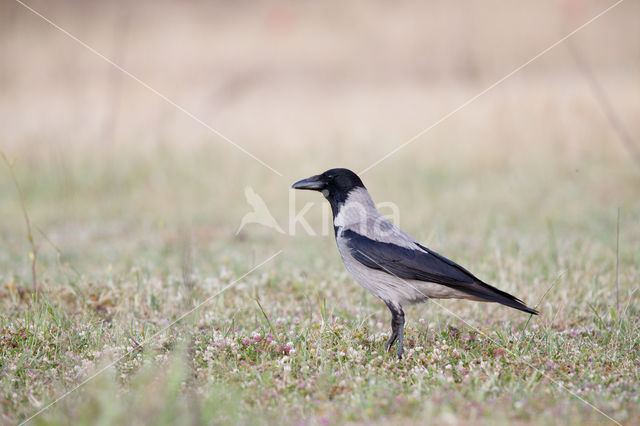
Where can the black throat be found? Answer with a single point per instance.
(336, 201)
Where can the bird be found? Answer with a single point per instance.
(387, 261)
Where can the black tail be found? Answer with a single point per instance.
(469, 283)
(491, 294)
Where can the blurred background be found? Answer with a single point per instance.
(522, 185)
(307, 86)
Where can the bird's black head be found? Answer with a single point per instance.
(335, 184)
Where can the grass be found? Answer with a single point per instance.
(298, 340)
(135, 225)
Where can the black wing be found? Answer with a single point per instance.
(423, 264)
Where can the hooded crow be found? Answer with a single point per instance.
(390, 263)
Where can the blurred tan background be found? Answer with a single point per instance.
(342, 82)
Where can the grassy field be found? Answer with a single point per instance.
(134, 209)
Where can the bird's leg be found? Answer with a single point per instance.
(394, 326)
(397, 328)
(400, 334)
(392, 338)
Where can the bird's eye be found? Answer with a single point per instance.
(330, 177)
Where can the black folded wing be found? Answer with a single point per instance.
(423, 264)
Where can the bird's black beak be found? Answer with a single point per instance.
(314, 183)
